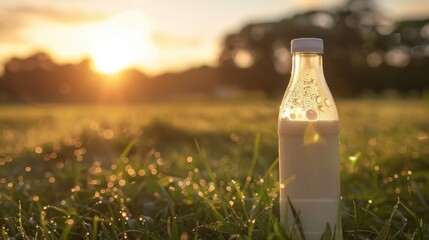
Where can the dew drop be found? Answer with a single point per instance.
(309, 81)
(327, 102)
(321, 108)
(318, 99)
(292, 116)
(296, 101)
(311, 115)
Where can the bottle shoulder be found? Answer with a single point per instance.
(308, 99)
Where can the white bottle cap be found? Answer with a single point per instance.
(309, 45)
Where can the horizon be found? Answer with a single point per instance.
(72, 32)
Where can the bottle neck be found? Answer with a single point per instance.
(307, 64)
(307, 97)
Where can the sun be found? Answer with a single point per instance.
(120, 42)
(113, 54)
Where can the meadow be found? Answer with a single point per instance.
(200, 170)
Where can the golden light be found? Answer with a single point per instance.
(110, 56)
(120, 42)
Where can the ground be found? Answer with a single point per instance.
(204, 170)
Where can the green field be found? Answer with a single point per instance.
(204, 170)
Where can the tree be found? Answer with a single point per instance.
(364, 50)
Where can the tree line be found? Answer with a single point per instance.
(364, 51)
(38, 79)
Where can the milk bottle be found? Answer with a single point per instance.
(308, 131)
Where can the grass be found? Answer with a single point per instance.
(200, 171)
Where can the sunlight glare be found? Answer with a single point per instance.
(120, 42)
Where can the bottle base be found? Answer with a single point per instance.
(314, 215)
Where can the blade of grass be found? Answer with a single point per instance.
(168, 200)
(172, 227)
(203, 158)
(237, 188)
(43, 221)
(367, 211)
(272, 166)
(384, 231)
(228, 228)
(254, 159)
(125, 153)
(355, 220)
(106, 232)
(297, 220)
(215, 212)
(21, 226)
(196, 232)
(400, 230)
(413, 213)
(327, 235)
(278, 231)
(67, 230)
(95, 221)
(60, 210)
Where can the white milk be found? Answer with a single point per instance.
(308, 153)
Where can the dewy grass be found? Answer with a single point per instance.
(116, 173)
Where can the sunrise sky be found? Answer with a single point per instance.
(152, 35)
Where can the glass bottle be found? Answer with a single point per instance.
(308, 130)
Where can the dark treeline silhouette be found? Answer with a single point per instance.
(365, 52)
(37, 79)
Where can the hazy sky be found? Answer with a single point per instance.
(154, 35)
